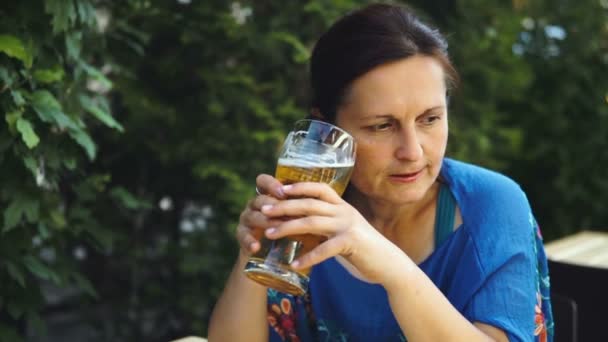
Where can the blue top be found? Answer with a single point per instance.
(492, 269)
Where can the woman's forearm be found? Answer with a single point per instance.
(422, 311)
(240, 312)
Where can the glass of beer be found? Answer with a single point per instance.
(314, 151)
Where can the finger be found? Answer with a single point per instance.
(261, 200)
(267, 184)
(317, 225)
(246, 240)
(299, 207)
(322, 252)
(321, 191)
(254, 218)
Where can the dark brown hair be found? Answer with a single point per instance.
(366, 38)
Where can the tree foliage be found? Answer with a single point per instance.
(47, 69)
(533, 102)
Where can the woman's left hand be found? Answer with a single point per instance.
(317, 209)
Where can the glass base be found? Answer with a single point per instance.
(277, 277)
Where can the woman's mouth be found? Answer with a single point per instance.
(405, 177)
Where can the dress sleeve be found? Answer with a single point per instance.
(507, 298)
(506, 278)
(506, 247)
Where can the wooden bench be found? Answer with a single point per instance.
(578, 267)
(586, 248)
(191, 339)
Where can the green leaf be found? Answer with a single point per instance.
(32, 210)
(49, 75)
(43, 231)
(17, 97)
(102, 115)
(86, 12)
(73, 44)
(70, 163)
(58, 219)
(12, 216)
(49, 109)
(140, 35)
(85, 284)
(19, 207)
(16, 273)
(38, 268)
(12, 118)
(31, 164)
(27, 133)
(63, 13)
(96, 75)
(300, 53)
(126, 198)
(45, 104)
(14, 47)
(6, 77)
(84, 140)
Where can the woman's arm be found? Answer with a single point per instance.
(240, 312)
(424, 312)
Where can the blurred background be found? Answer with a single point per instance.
(133, 132)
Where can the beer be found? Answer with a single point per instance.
(293, 171)
(285, 250)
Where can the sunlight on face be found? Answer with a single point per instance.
(397, 113)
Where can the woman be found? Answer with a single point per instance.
(421, 247)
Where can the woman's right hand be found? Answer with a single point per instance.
(253, 223)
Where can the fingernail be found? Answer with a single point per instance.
(295, 264)
(287, 187)
(271, 231)
(266, 207)
(252, 246)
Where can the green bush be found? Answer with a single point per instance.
(52, 99)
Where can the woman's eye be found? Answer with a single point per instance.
(431, 119)
(381, 127)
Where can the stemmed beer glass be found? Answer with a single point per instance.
(314, 151)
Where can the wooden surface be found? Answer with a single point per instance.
(191, 339)
(586, 248)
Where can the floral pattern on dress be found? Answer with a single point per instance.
(543, 316)
(539, 320)
(282, 316)
(328, 332)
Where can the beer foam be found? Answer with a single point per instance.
(312, 163)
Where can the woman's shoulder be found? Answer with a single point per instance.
(475, 177)
(496, 215)
(485, 187)
(494, 208)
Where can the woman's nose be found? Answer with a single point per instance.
(409, 146)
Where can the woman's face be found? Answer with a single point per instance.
(397, 113)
